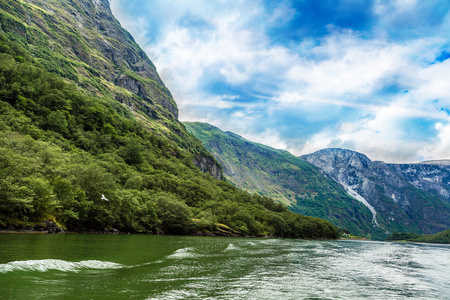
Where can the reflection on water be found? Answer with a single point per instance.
(172, 267)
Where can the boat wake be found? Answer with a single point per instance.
(45, 265)
(184, 253)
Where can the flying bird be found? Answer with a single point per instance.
(104, 198)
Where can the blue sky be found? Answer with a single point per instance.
(302, 75)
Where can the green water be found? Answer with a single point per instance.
(75, 266)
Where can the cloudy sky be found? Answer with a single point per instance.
(367, 75)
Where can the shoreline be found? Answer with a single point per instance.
(206, 234)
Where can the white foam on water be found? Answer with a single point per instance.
(183, 253)
(45, 265)
(231, 247)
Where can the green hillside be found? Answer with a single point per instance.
(438, 238)
(262, 170)
(80, 157)
(82, 42)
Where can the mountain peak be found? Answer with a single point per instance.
(263, 170)
(402, 197)
(331, 158)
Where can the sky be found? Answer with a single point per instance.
(371, 76)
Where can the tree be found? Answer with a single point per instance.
(174, 214)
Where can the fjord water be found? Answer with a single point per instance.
(76, 266)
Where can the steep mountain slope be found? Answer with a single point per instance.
(83, 42)
(396, 194)
(72, 154)
(432, 177)
(280, 175)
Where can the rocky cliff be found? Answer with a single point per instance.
(81, 41)
(74, 157)
(209, 164)
(400, 197)
(432, 177)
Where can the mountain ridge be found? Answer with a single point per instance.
(83, 42)
(260, 169)
(400, 193)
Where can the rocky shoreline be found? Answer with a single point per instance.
(46, 226)
(50, 227)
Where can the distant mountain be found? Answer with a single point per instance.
(432, 177)
(443, 162)
(280, 175)
(437, 238)
(401, 197)
(390, 197)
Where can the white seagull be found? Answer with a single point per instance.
(104, 198)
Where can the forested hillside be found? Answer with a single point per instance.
(437, 238)
(90, 163)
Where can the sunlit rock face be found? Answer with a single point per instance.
(90, 47)
(401, 197)
(432, 177)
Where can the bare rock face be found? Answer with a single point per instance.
(433, 177)
(210, 165)
(402, 197)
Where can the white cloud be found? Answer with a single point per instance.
(439, 150)
(282, 14)
(270, 136)
(352, 69)
(343, 69)
(382, 135)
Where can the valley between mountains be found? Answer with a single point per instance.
(371, 198)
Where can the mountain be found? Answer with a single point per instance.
(82, 42)
(90, 140)
(401, 197)
(432, 177)
(291, 180)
